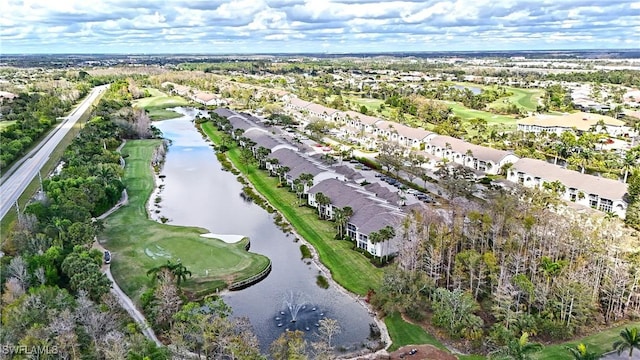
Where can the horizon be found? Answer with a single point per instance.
(308, 26)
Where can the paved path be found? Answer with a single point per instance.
(18, 177)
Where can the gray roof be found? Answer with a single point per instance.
(461, 147)
(302, 168)
(605, 188)
(262, 138)
(224, 112)
(373, 218)
(404, 130)
(288, 157)
(365, 119)
(348, 172)
(238, 122)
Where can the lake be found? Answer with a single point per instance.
(198, 192)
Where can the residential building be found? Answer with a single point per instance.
(578, 122)
(485, 159)
(597, 192)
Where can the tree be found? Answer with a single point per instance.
(630, 339)
(328, 329)
(517, 349)
(177, 269)
(291, 345)
(580, 352)
(322, 201)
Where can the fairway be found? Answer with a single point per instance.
(157, 104)
(525, 99)
(139, 244)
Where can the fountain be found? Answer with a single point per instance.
(298, 313)
(294, 303)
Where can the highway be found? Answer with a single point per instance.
(18, 177)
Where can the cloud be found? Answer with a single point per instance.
(314, 25)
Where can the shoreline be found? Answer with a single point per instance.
(315, 259)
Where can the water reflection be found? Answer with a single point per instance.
(198, 192)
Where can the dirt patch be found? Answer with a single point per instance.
(423, 352)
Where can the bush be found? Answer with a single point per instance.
(306, 253)
(322, 282)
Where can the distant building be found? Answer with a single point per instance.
(578, 122)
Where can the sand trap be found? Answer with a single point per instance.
(229, 239)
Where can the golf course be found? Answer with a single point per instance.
(139, 244)
(157, 104)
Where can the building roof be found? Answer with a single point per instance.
(320, 109)
(365, 119)
(224, 112)
(374, 217)
(261, 138)
(288, 157)
(298, 102)
(479, 152)
(403, 130)
(580, 120)
(606, 188)
(204, 96)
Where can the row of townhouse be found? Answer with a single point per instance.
(373, 209)
(592, 191)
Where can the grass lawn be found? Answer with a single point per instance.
(349, 268)
(502, 122)
(525, 99)
(4, 124)
(158, 103)
(403, 333)
(599, 343)
(138, 243)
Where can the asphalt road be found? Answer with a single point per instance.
(18, 177)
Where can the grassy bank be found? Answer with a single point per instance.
(157, 104)
(599, 343)
(138, 243)
(350, 269)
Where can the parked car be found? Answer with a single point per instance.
(107, 257)
(378, 175)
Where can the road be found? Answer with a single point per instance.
(18, 177)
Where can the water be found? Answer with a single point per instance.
(474, 90)
(197, 192)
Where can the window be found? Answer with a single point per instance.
(362, 245)
(606, 205)
(593, 200)
(351, 230)
(573, 194)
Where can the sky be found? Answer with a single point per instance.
(314, 26)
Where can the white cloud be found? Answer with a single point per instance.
(348, 25)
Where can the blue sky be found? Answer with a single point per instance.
(336, 26)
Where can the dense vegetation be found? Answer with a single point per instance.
(487, 275)
(56, 298)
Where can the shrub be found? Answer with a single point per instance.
(306, 253)
(322, 282)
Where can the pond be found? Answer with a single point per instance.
(474, 90)
(198, 192)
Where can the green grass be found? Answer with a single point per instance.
(349, 268)
(4, 124)
(403, 333)
(157, 104)
(525, 99)
(502, 122)
(138, 243)
(599, 343)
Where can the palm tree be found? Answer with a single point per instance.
(322, 200)
(580, 352)
(177, 269)
(630, 340)
(517, 349)
(387, 233)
